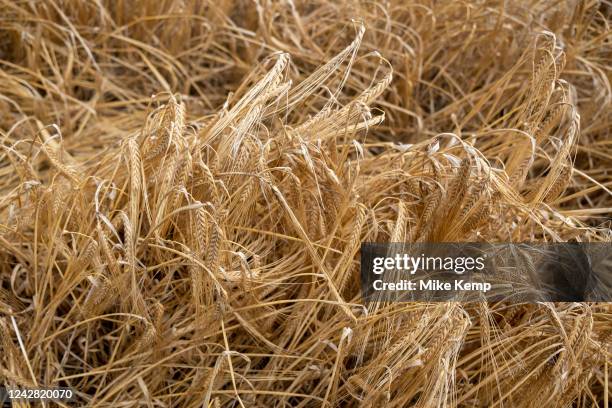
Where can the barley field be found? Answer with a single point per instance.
(185, 186)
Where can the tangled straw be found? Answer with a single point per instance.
(200, 247)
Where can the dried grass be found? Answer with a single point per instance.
(184, 187)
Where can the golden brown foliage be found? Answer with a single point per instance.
(184, 187)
